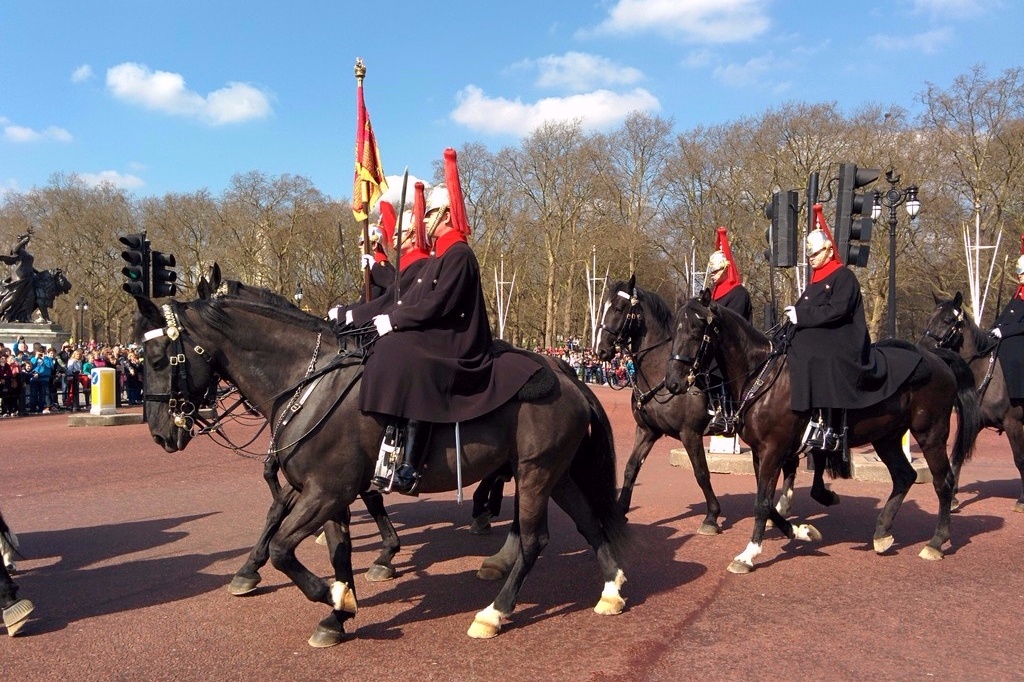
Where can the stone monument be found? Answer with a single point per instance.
(26, 292)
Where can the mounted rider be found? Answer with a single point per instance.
(1009, 329)
(832, 364)
(434, 360)
(727, 290)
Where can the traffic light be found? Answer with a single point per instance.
(853, 214)
(164, 277)
(136, 272)
(781, 236)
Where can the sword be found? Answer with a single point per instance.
(398, 231)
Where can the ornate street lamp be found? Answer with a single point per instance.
(892, 198)
(81, 306)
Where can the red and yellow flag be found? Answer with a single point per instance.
(369, 181)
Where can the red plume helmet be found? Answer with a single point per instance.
(419, 209)
(457, 205)
(388, 221)
(732, 277)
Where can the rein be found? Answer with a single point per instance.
(948, 341)
(624, 340)
(182, 409)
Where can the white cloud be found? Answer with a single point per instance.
(24, 134)
(955, 8)
(165, 91)
(928, 42)
(122, 180)
(700, 21)
(596, 110)
(579, 72)
(82, 74)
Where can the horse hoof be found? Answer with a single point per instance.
(825, 498)
(490, 571)
(708, 528)
(610, 606)
(481, 525)
(16, 615)
(378, 573)
(883, 544)
(325, 637)
(740, 568)
(321, 538)
(1019, 507)
(240, 585)
(954, 505)
(483, 629)
(807, 533)
(929, 553)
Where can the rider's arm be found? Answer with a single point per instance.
(840, 303)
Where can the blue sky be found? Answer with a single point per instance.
(162, 97)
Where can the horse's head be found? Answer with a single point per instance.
(695, 331)
(620, 319)
(178, 374)
(945, 326)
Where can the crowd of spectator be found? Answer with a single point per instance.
(35, 379)
(589, 368)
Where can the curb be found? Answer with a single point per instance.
(120, 419)
(865, 464)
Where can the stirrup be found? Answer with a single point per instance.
(390, 449)
(821, 437)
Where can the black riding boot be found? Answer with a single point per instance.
(406, 476)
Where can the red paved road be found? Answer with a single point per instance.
(131, 550)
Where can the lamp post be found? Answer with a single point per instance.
(892, 198)
(81, 306)
(298, 295)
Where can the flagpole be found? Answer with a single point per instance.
(364, 188)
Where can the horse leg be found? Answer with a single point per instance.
(15, 611)
(819, 491)
(381, 569)
(1015, 434)
(331, 630)
(484, 506)
(789, 467)
(890, 451)
(767, 480)
(643, 441)
(248, 576)
(570, 498)
(693, 441)
(311, 510)
(943, 480)
(532, 523)
(497, 566)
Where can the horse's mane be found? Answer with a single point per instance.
(214, 313)
(751, 337)
(234, 287)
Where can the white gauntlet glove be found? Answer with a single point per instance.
(791, 313)
(332, 314)
(366, 261)
(996, 333)
(383, 324)
(348, 317)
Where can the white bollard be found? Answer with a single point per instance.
(104, 390)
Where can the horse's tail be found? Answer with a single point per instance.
(593, 470)
(968, 407)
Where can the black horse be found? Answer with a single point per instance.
(560, 446)
(758, 376)
(639, 323)
(15, 611)
(951, 326)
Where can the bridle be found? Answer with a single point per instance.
(699, 362)
(181, 407)
(948, 338)
(627, 335)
